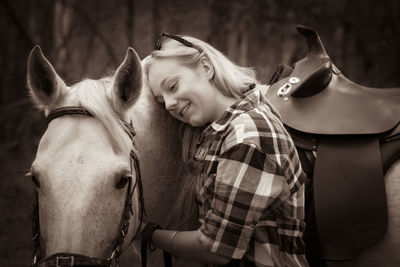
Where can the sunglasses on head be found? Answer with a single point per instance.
(176, 38)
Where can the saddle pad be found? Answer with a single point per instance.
(349, 195)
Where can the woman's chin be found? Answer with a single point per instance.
(195, 123)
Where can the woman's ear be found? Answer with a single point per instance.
(207, 67)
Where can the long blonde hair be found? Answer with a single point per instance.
(230, 79)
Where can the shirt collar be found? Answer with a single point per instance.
(247, 101)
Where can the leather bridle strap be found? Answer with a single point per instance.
(64, 111)
(146, 238)
(69, 259)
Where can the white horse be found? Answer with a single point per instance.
(82, 163)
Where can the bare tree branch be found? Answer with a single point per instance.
(156, 19)
(15, 104)
(14, 19)
(129, 20)
(95, 30)
(89, 51)
(65, 37)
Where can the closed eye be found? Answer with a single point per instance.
(173, 87)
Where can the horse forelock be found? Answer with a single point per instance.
(95, 96)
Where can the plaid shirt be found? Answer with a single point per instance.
(250, 187)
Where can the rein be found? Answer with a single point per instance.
(70, 259)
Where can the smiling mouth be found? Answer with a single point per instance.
(183, 110)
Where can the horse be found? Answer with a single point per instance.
(108, 143)
(348, 139)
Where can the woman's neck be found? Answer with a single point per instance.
(224, 102)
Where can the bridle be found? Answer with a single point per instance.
(70, 259)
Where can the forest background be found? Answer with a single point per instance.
(89, 38)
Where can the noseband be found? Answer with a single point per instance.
(69, 259)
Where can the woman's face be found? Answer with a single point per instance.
(187, 92)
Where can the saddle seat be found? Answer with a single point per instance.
(317, 98)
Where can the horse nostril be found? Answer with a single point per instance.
(34, 179)
(122, 182)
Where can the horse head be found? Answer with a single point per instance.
(87, 183)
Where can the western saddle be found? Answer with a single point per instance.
(347, 136)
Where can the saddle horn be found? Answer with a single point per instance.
(315, 69)
(314, 43)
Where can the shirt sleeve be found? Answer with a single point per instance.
(248, 183)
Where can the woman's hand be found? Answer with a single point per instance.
(185, 244)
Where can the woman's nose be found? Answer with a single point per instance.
(170, 103)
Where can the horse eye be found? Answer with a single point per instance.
(34, 179)
(122, 182)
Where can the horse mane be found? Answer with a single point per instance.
(95, 96)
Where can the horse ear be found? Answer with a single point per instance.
(128, 81)
(45, 86)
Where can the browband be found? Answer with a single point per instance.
(58, 112)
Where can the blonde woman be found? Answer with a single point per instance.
(249, 186)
